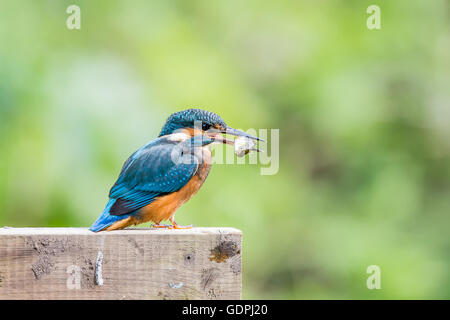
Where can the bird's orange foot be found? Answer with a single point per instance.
(175, 225)
(160, 226)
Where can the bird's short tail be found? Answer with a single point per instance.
(106, 219)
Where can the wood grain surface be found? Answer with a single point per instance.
(75, 263)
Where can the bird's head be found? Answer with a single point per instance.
(201, 122)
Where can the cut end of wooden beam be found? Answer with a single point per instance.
(136, 263)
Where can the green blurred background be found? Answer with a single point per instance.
(364, 121)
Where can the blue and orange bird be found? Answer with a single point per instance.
(166, 172)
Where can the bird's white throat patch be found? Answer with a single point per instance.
(178, 137)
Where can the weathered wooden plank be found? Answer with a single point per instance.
(74, 263)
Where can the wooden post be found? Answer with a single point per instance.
(75, 263)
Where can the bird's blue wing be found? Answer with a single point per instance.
(149, 173)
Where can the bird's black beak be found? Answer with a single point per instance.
(239, 133)
(216, 135)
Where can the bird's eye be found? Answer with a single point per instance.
(205, 126)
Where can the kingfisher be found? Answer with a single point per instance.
(166, 172)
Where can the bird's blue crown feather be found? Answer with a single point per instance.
(187, 119)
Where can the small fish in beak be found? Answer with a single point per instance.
(243, 145)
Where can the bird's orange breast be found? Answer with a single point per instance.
(164, 207)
